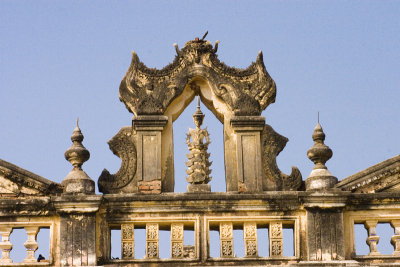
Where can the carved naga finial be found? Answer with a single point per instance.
(320, 178)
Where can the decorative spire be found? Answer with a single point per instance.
(198, 163)
(77, 154)
(198, 116)
(77, 181)
(320, 178)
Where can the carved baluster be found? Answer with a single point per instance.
(275, 239)
(127, 241)
(395, 240)
(226, 239)
(250, 239)
(152, 240)
(31, 245)
(373, 238)
(177, 240)
(5, 244)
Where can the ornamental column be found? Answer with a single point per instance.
(148, 130)
(324, 205)
(248, 151)
(77, 206)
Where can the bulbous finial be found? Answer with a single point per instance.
(77, 181)
(320, 178)
(198, 116)
(77, 154)
(319, 153)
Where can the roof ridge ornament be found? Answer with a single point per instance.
(150, 91)
(320, 178)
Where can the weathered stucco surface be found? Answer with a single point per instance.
(320, 211)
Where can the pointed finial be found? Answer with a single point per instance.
(319, 153)
(77, 154)
(77, 181)
(198, 116)
(318, 117)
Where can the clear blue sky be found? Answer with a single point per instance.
(60, 60)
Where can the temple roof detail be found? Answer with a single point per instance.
(149, 91)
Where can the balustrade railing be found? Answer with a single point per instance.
(371, 221)
(225, 226)
(31, 244)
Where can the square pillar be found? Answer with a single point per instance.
(248, 150)
(148, 133)
(226, 239)
(275, 239)
(152, 244)
(77, 234)
(177, 240)
(250, 239)
(127, 241)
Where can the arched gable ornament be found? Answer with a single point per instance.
(149, 93)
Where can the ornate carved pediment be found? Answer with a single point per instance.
(15, 181)
(149, 91)
(382, 177)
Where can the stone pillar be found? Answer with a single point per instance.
(275, 239)
(152, 244)
(5, 244)
(177, 240)
(250, 239)
(31, 244)
(373, 238)
(148, 133)
(226, 239)
(77, 229)
(248, 150)
(127, 241)
(395, 240)
(325, 234)
(77, 208)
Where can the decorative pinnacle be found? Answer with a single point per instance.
(198, 116)
(319, 153)
(77, 154)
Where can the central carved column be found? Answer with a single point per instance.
(148, 133)
(248, 150)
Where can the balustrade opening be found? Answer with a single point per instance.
(385, 233)
(17, 239)
(140, 242)
(375, 239)
(115, 243)
(24, 244)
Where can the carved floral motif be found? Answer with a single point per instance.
(226, 230)
(152, 249)
(177, 250)
(127, 231)
(152, 231)
(227, 248)
(177, 231)
(127, 250)
(251, 248)
(276, 248)
(276, 230)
